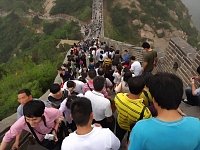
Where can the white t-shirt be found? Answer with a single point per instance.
(117, 77)
(101, 106)
(98, 139)
(78, 88)
(136, 68)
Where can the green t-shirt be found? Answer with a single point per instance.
(149, 57)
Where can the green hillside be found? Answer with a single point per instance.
(161, 15)
(81, 9)
(28, 58)
(21, 6)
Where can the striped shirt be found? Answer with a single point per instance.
(129, 110)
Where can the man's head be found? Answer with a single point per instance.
(24, 96)
(56, 90)
(127, 75)
(146, 45)
(167, 90)
(133, 58)
(101, 72)
(70, 99)
(81, 111)
(33, 112)
(99, 83)
(92, 74)
(71, 85)
(136, 85)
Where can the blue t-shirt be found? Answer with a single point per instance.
(154, 134)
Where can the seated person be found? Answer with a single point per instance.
(88, 137)
(193, 92)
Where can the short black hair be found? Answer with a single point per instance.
(71, 84)
(99, 83)
(101, 72)
(81, 109)
(70, 99)
(55, 87)
(136, 84)
(127, 75)
(146, 45)
(132, 57)
(26, 91)
(198, 70)
(92, 73)
(34, 108)
(82, 79)
(167, 90)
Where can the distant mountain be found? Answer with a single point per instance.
(134, 21)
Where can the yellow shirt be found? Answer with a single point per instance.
(129, 110)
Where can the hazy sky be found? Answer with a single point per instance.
(194, 10)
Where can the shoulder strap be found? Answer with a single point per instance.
(142, 113)
(89, 86)
(147, 96)
(33, 132)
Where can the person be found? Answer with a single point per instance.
(136, 67)
(130, 107)
(169, 129)
(117, 58)
(117, 75)
(88, 136)
(41, 119)
(24, 96)
(78, 88)
(126, 58)
(66, 111)
(56, 95)
(64, 74)
(89, 85)
(122, 87)
(150, 58)
(193, 93)
(108, 83)
(101, 106)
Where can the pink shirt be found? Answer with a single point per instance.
(51, 114)
(90, 83)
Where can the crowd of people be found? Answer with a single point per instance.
(106, 97)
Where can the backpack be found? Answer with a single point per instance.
(107, 63)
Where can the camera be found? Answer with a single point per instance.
(49, 137)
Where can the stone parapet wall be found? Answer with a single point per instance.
(180, 58)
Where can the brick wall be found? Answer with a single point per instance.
(181, 55)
